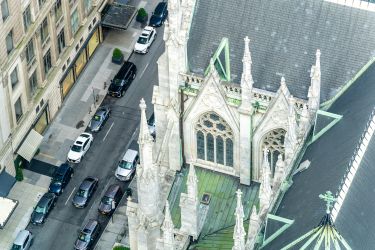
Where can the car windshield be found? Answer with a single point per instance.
(125, 165)
(96, 118)
(84, 237)
(158, 11)
(58, 178)
(76, 148)
(16, 247)
(39, 209)
(82, 193)
(117, 82)
(107, 200)
(142, 40)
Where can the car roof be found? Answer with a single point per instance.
(62, 169)
(123, 70)
(21, 236)
(112, 190)
(87, 182)
(44, 199)
(90, 226)
(101, 111)
(160, 6)
(82, 138)
(130, 155)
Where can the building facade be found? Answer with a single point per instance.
(44, 46)
(234, 133)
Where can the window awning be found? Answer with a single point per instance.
(30, 145)
(118, 16)
(7, 208)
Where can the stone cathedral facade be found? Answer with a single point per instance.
(204, 123)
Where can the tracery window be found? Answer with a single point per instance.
(214, 139)
(274, 141)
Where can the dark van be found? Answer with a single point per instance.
(122, 79)
(110, 199)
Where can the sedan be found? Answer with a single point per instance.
(80, 147)
(43, 208)
(159, 15)
(85, 192)
(99, 119)
(145, 40)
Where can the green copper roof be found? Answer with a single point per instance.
(220, 218)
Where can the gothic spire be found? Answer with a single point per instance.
(247, 78)
(239, 231)
(266, 175)
(254, 224)
(284, 87)
(192, 183)
(144, 132)
(168, 226)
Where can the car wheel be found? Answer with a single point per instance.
(147, 50)
(134, 76)
(62, 191)
(71, 175)
(122, 93)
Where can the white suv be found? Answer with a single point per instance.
(126, 167)
(80, 147)
(145, 40)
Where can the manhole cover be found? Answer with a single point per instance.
(80, 124)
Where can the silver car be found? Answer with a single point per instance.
(23, 240)
(98, 120)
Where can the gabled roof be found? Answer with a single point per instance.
(330, 156)
(284, 38)
(222, 189)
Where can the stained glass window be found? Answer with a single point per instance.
(229, 152)
(200, 145)
(210, 148)
(219, 150)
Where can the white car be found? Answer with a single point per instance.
(80, 147)
(145, 40)
(126, 167)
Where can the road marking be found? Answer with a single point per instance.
(144, 69)
(70, 195)
(108, 131)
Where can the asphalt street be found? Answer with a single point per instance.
(61, 228)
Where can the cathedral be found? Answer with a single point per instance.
(222, 150)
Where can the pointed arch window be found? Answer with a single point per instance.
(214, 139)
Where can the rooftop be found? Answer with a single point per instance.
(284, 38)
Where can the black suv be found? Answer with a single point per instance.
(85, 192)
(60, 179)
(159, 15)
(122, 79)
(87, 235)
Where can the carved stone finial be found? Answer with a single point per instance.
(144, 132)
(239, 230)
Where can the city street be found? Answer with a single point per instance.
(61, 228)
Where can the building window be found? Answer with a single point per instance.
(61, 41)
(27, 18)
(58, 9)
(44, 30)
(88, 6)
(18, 109)
(214, 140)
(9, 42)
(33, 81)
(29, 50)
(75, 22)
(14, 77)
(4, 9)
(47, 62)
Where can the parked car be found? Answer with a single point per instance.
(87, 235)
(60, 179)
(122, 79)
(151, 125)
(159, 15)
(126, 167)
(110, 199)
(145, 40)
(43, 208)
(99, 119)
(85, 192)
(80, 147)
(23, 240)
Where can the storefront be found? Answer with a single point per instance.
(42, 122)
(80, 61)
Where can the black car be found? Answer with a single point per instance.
(60, 179)
(122, 79)
(85, 192)
(43, 208)
(110, 199)
(159, 15)
(87, 235)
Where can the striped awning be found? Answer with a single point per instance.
(30, 145)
